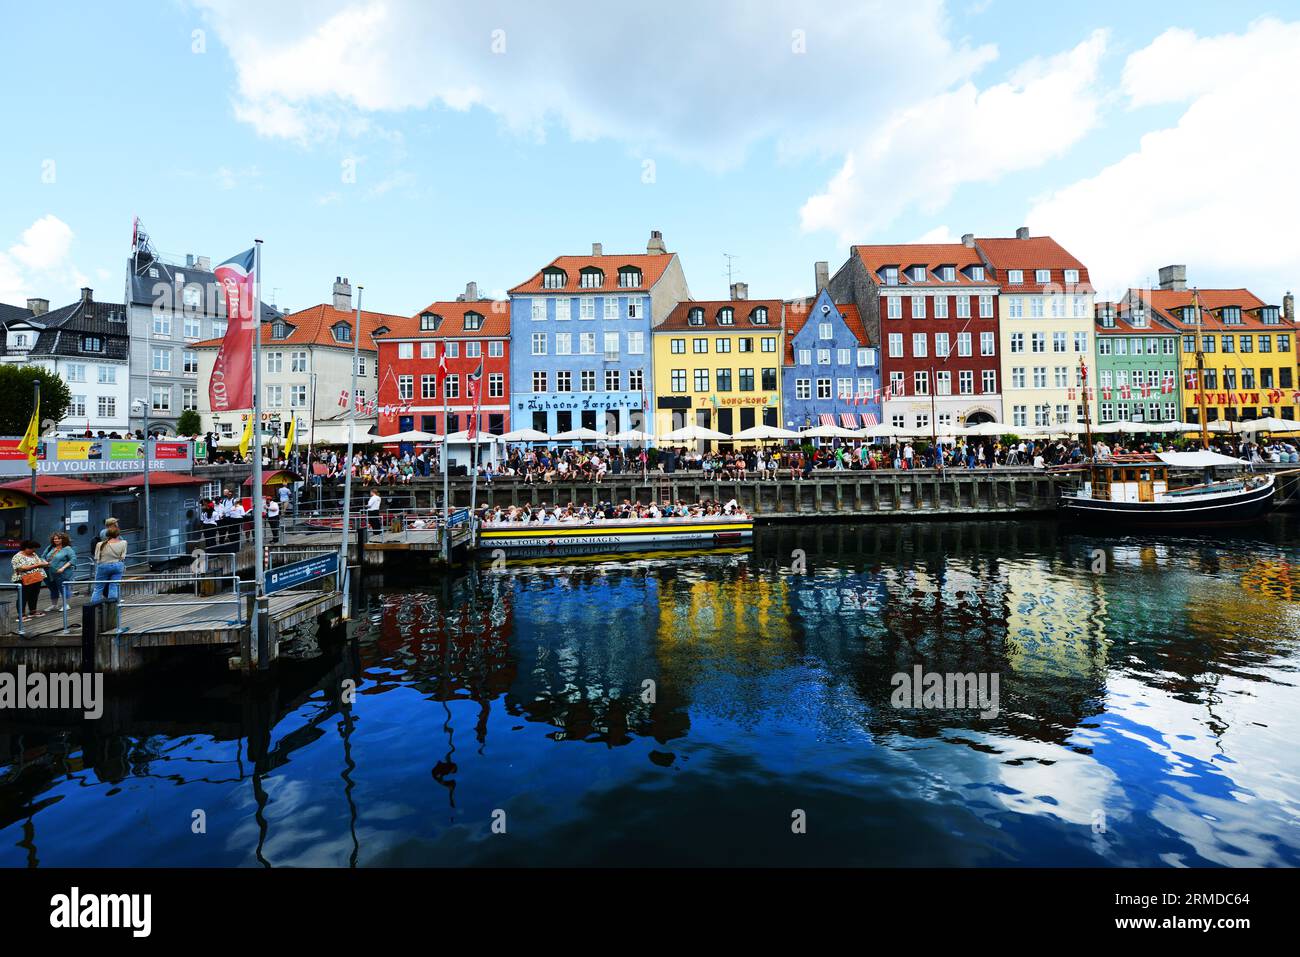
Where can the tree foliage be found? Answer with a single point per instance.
(16, 388)
(189, 423)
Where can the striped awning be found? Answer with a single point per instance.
(848, 420)
(869, 419)
(827, 418)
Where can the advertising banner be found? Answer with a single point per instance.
(83, 456)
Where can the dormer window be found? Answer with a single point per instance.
(473, 321)
(977, 273)
(429, 321)
(1072, 277)
(726, 316)
(92, 344)
(20, 340)
(553, 278)
(1138, 318)
(759, 316)
(947, 273)
(591, 278)
(1269, 316)
(1231, 315)
(1015, 277)
(918, 274)
(629, 277)
(889, 275)
(1189, 314)
(380, 331)
(695, 317)
(342, 332)
(1042, 276)
(279, 330)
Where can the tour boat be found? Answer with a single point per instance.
(1135, 489)
(615, 534)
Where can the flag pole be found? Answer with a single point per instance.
(345, 580)
(260, 622)
(446, 454)
(31, 459)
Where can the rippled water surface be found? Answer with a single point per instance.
(683, 709)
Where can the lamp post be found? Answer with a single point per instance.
(148, 512)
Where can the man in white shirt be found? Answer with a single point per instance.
(373, 506)
(273, 518)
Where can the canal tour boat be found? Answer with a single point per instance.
(590, 537)
(1135, 489)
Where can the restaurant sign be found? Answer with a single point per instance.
(80, 456)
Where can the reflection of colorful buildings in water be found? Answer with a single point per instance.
(1056, 623)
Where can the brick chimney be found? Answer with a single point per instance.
(821, 275)
(740, 290)
(1022, 232)
(471, 292)
(1173, 278)
(597, 249)
(656, 245)
(38, 307)
(968, 240)
(342, 294)
(1288, 306)
(87, 294)
(204, 263)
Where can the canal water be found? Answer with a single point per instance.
(728, 708)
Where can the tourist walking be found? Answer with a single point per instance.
(29, 574)
(60, 558)
(273, 518)
(110, 566)
(373, 506)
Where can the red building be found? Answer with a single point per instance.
(934, 308)
(470, 334)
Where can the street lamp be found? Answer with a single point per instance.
(144, 414)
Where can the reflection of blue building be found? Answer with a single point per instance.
(831, 373)
(580, 354)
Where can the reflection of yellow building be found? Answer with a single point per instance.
(1274, 579)
(744, 619)
(718, 365)
(1056, 625)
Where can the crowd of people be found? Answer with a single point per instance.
(581, 513)
(53, 568)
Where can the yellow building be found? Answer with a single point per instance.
(718, 364)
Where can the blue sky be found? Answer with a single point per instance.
(485, 141)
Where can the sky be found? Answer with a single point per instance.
(416, 145)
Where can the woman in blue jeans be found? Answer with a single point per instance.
(62, 557)
(110, 565)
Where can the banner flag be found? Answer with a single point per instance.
(31, 440)
(231, 385)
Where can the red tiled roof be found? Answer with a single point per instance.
(54, 485)
(1167, 304)
(652, 268)
(1030, 255)
(676, 320)
(313, 326)
(495, 313)
(796, 316)
(1156, 325)
(929, 255)
(155, 479)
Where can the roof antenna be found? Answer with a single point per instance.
(729, 257)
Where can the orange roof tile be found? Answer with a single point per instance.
(676, 320)
(314, 325)
(495, 313)
(929, 255)
(652, 268)
(1168, 305)
(1030, 255)
(796, 317)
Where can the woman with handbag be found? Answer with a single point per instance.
(29, 573)
(61, 557)
(110, 565)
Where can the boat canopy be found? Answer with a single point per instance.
(1198, 460)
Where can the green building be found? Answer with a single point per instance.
(1137, 377)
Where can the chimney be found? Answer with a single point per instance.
(204, 263)
(656, 245)
(1022, 232)
(968, 240)
(189, 260)
(740, 290)
(1288, 306)
(471, 292)
(597, 249)
(87, 294)
(342, 294)
(39, 307)
(1173, 278)
(821, 275)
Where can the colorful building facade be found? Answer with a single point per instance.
(1137, 368)
(830, 372)
(718, 364)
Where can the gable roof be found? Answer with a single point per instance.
(1030, 255)
(60, 331)
(652, 268)
(1167, 304)
(797, 315)
(10, 313)
(679, 319)
(146, 289)
(929, 255)
(495, 313)
(313, 327)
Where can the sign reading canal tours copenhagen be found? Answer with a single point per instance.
(231, 385)
(73, 456)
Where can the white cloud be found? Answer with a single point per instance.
(1218, 191)
(940, 234)
(705, 82)
(924, 152)
(39, 264)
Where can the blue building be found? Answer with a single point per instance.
(581, 350)
(831, 373)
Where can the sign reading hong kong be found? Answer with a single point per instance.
(77, 456)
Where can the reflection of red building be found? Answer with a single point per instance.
(471, 334)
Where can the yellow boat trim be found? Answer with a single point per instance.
(556, 531)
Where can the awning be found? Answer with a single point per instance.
(827, 418)
(848, 420)
(869, 419)
(277, 477)
(336, 432)
(1198, 460)
(156, 480)
(55, 485)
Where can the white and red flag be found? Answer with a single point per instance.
(231, 385)
(472, 383)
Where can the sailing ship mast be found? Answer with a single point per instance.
(1200, 369)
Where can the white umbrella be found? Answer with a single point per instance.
(695, 433)
(882, 430)
(579, 435)
(1224, 425)
(830, 432)
(765, 433)
(412, 436)
(1268, 424)
(633, 435)
(985, 428)
(462, 438)
(523, 435)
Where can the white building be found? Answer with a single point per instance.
(86, 344)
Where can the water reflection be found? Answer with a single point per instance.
(1147, 715)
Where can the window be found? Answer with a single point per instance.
(193, 328)
(428, 350)
(918, 307)
(989, 380)
(634, 307)
(919, 345)
(76, 372)
(1016, 307)
(844, 388)
(890, 275)
(611, 307)
(587, 344)
(564, 381)
(921, 383)
(941, 345)
(767, 343)
(864, 357)
(1017, 342)
(162, 360)
(1231, 315)
(1228, 344)
(586, 308)
(947, 274)
(759, 316)
(1019, 415)
(941, 307)
(563, 344)
(537, 311)
(1036, 307)
(553, 278)
(473, 321)
(723, 379)
(274, 396)
(769, 380)
(496, 349)
(825, 330)
(590, 277)
(895, 345)
(452, 386)
(823, 357)
(1042, 276)
(699, 345)
(986, 307)
(473, 350)
(746, 378)
(1040, 377)
(428, 386)
(298, 396)
(824, 388)
(803, 388)
(679, 380)
(77, 407)
(943, 383)
(1015, 277)
(361, 360)
(1072, 277)
(107, 375)
(963, 307)
(275, 362)
(1038, 341)
(1017, 377)
(726, 316)
(612, 378)
(805, 355)
(160, 398)
(406, 387)
(701, 380)
(636, 343)
(108, 405)
(895, 307)
(611, 347)
(842, 356)
(92, 344)
(342, 332)
(496, 385)
(539, 343)
(677, 347)
(695, 317)
(162, 325)
(896, 386)
(563, 310)
(218, 328)
(539, 381)
(1265, 343)
(987, 344)
(1062, 377)
(723, 344)
(629, 277)
(636, 379)
(977, 273)
(963, 343)
(918, 274)
(1058, 341)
